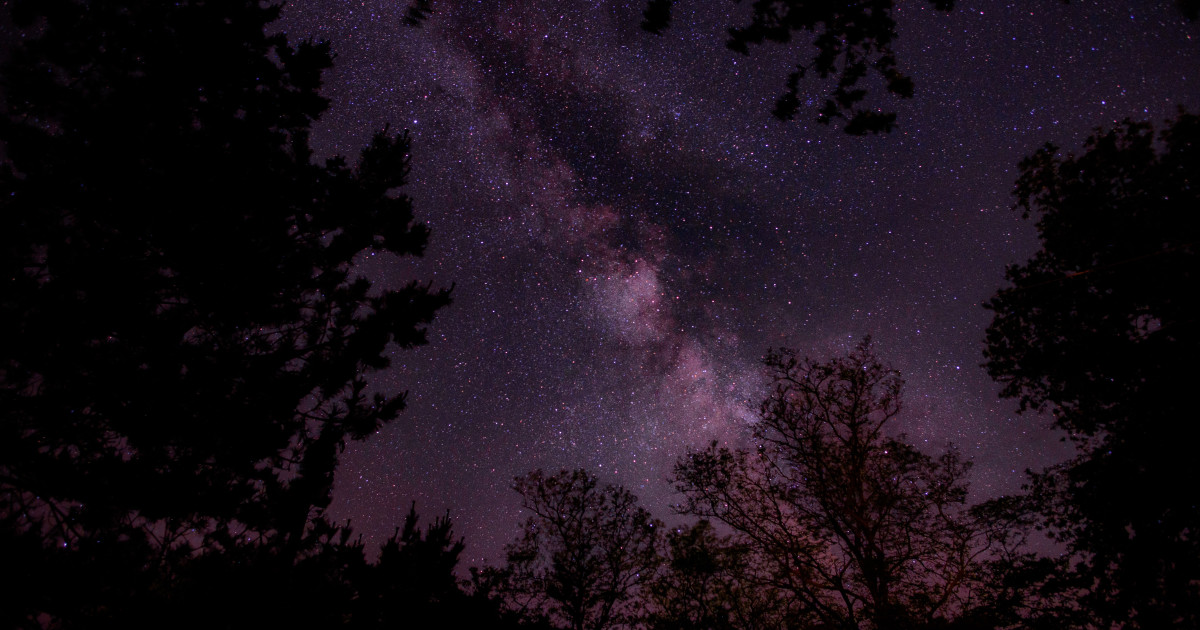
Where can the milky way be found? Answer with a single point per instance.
(628, 229)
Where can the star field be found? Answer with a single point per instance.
(628, 229)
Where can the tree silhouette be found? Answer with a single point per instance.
(586, 554)
(413, 584)
(1097, 329)
(711, 582)
(852, 40)
(185, 340)
(859, 529)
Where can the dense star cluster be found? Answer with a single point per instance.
(628, 229)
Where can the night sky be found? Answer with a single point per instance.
(628, 229)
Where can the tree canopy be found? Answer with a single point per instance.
(853, 41)
(1097, 329)
(586, 553)
(711, 582)
(857, 528)
(186, 342)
